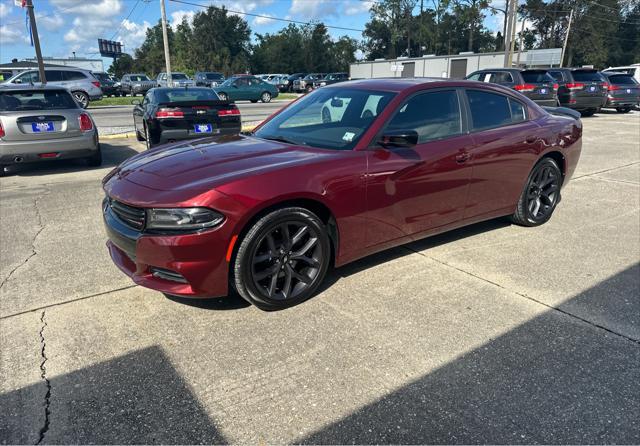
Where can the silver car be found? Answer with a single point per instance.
(177, 79)
(40, 123)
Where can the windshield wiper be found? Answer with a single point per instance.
(283, 139)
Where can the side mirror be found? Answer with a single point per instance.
(399, 138)
(136, 102)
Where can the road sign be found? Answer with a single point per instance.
(109, 48)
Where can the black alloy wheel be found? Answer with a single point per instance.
(283, 259)
(541, 194)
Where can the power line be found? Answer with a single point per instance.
(43, 15)
(266, 16)
(119, 27)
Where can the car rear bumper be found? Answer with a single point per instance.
(170, 135)
(65, 148)
(189, 265)
(621, 102)
(583, 103)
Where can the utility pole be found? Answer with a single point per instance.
(165, 38)
(513, 32)
(566, 39)
(36, 40)
(508, 35)
(520, 41)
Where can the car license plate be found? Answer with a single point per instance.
(203, 128)
(38, 127)
(592, 88)
(543, 91)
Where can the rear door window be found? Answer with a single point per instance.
(518, 112)
(500, 77)
(587, 76)
(536, 77)
(488, 110)
(74, 75)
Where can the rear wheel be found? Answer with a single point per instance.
(623, 109)
(95, 160)
(587, 113)
(82, 98)
(283, 259)
(265, 97)
(541, 194)
(223, 96)
(147, 138)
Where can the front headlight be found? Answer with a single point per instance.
(176, 219)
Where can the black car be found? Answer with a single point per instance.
(537, 85)
(331, 78)
(582, 89)
(291, 79)
(172, 114)
(208, 78)
(623, 91)
(109, 86)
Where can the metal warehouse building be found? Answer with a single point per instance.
(452, 66)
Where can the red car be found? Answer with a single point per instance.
(339, 174)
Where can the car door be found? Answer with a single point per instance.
(504, 148)
(417, 189)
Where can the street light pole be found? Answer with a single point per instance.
(36, 40)
(165, 38)
(566, 39)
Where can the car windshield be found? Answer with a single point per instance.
(586, 76)
(229, 81)
(622, 79)
(192, 94)
(329, 118)
(214, 76)
(178, 76)
(36, 100)
(139, 78)
(536, 76)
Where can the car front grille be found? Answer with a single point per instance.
(131, 216)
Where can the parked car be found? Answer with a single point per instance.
(280, 82)
(174, 114)
(208, 79)
(81, 83)
(331, 78)
(42, 123)
(177, 79)
(108, 86)
(306, 83)
(291, 79)
(633, 70)
(247, 88)
(267, 214)
(136, 83)
(581, 89)
(537, 85)
(623, 91)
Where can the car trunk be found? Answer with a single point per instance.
(588, 85)
(199, 117)
(623, 89)
(37, 125)
(538, 85)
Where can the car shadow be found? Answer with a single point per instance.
(112, 155)
(232, 301)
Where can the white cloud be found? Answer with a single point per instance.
(133, 34)
(90, 28)
(4, 10)
(106, 8)
(12, 35)
(177, 16)
(312, 10)
(261, 21)
(358, 7)
(50, 22)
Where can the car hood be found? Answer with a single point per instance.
(205, 164)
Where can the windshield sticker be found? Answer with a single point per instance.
(348, 136)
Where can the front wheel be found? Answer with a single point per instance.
(541, 194)
(81, 98)
(266, 97)
(283, 259)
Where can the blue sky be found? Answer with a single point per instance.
(75, 25)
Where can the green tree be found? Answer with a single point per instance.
(150, 56)
(121, 66)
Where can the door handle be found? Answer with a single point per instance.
(463, 157)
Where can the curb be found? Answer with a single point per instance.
(246, 128)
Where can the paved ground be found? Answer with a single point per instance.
(490, 334)
(118, 119)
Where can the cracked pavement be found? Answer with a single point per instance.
(488, 334)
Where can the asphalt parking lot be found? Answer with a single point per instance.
(489, 334)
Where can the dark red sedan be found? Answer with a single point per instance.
(341, 173)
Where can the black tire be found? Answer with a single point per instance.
(81, 98)
(147, 138)
(540, 195)
(309, 88)
(139, 137)
(587, 113)
(3, 171)
(223, 96)
(265, 97)
(254, 101)
(623, 109)
(271, 257)
(95, 160)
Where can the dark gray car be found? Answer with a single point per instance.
(623, 91)
(582, 89)
(537, 85)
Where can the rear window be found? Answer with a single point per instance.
(622, 79)
(175, 76)
(36, 100)
(587, 76)
(203, 94)
(536, 76)
(213, 76)
(557, 75)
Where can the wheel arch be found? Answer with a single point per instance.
(559, 158)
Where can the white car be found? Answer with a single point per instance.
(633, 69)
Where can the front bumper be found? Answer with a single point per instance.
(66, 148)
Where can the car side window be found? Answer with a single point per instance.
(490, 110)
(498, 77)
(433, 115)
(475, 76)
(518, 112)
(54, 76)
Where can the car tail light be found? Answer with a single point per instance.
(575, 85)
(96, 83)
(605, 86)
(85, 122)
(169, 113)
(229, 112)
(525, 87)
(48, 155)
(614, 87)
(556, 86)
(2, 133)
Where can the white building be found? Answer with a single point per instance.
(452, 66)
(76, 62)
